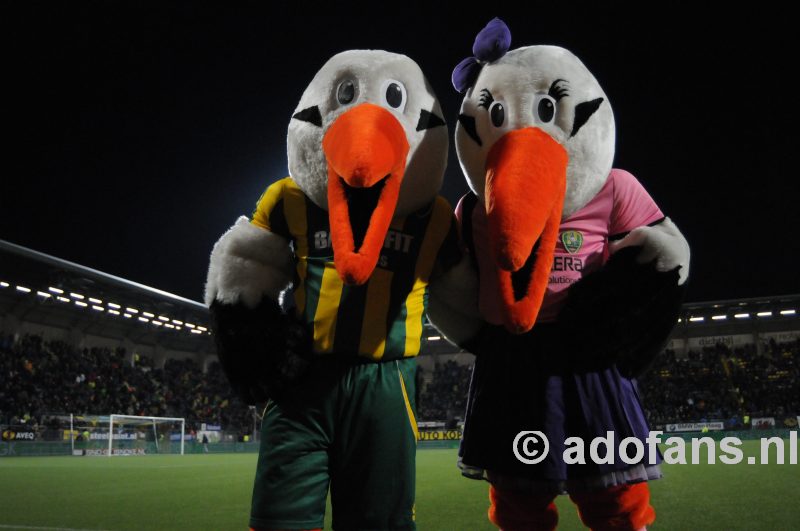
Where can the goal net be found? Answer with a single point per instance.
(115, 435)
(160, 435)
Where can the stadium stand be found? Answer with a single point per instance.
(444, 396)
(718, 383)
(41, 379)
(46, 296)
(76, 340)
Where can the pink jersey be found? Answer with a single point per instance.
(620, 206)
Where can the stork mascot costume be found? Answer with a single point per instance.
(317, 301)
(580, 282)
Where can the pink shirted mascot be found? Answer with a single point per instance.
(574, 282)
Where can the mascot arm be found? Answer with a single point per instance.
(261, 349)
(662, 244)
(453, 310)
(624, 312)
(247, 264)
(453, 303)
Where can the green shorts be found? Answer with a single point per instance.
(350, 426)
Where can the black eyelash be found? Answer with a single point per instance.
(486, 99)
(557, 91)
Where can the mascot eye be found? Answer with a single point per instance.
(346, 92)
(545, 109)
(497, 113)
(394, 94)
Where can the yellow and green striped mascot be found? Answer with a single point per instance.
(318, 299)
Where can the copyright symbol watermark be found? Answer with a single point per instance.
(531, 447)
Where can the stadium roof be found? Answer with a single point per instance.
(39, 288)
(780, 308)
(740, 316)
(36, 287)
(780, 313)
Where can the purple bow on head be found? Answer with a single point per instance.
(491, 44)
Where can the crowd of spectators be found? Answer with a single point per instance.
(690, 389)
(39, 377)
(445, 395)
(769, 383)
(716, 383)
(720, 383)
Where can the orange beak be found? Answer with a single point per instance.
(366, 150)
(526, 178)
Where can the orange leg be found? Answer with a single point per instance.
(521, 511)
(622, 508)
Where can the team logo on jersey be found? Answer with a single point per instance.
(572, 240)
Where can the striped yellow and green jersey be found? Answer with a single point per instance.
(381, 319)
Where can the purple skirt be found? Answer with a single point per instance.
(510, 393)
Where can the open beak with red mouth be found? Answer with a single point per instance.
(526, 178)
(366, 150)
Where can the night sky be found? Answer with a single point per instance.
(136, 133)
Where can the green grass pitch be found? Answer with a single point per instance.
(213, 492)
